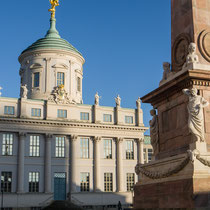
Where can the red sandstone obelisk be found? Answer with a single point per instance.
(180, 175)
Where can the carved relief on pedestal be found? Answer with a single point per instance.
(180, 51)
(204, 44)
(60, 96)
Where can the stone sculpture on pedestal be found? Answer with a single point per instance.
(97, 97)
(195, 110)
(138, 103)
(118, 100)
(24, 91)
(192, 57)
(154, 131)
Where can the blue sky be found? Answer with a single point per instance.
(124, 43)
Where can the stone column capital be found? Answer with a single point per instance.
(22, 134)
(97, 139)
(140, 140)
(47, 59)
(74, 137)
(119, 140)
(48, 136)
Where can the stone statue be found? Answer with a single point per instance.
(0, 91)
(166, 70)
(60, 96)
(195, 110)
(154, 131)
(54, 4)
(192, 57)
(118, 100)
(24, 91)
(97, 97)
(138, 103)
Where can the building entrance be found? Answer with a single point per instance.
(60, 186)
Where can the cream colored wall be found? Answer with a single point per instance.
(49, 111)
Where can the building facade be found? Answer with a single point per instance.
(54, 147)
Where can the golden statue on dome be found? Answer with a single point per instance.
(54, 4)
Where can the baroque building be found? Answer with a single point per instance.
(54, 147)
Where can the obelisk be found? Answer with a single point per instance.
(179, 177)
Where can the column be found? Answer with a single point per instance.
(141, 151)
(96, 172)
(73, 163)
(21, 155)
(47, 166)
(119, 165)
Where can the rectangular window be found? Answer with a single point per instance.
(129, 119)
(6, 181)
(129, 150)
(130, 181)
(78, 84)
(84, 116)
(59, 146)
(107, 118)
(84, 182)
(107, 148)
(150, 152)
(108, 186)
(34, 146)
(60, 78)
(10, 110)
(33, 181)
(7, 144)
(36, 79)
(62, 113)
(84, 148)
(35, 112)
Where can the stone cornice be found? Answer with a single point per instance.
(70, 124)
(184, 80)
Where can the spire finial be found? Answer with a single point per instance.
(54, 4)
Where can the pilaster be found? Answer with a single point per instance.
(47, 75)
(73, 163)
(119, 165)
(96, 175)
(21, 155)
(47, 169)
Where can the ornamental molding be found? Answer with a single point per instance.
(204, 44)
(36, 66)
(162, 174)
(61, 66)
(69, 124)
(190, 157)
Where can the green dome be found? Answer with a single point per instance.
(52, 40)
